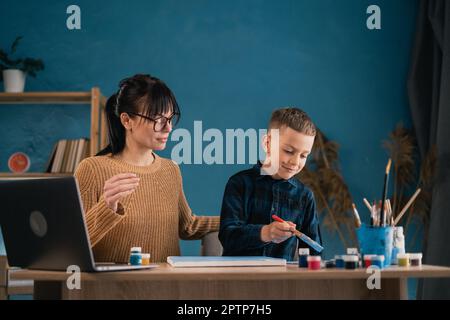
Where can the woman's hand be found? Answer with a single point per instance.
(277, 232)
(118, 187)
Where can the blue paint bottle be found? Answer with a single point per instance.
(303, 254)
(136, 256)
(339, 260)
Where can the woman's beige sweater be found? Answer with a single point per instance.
(155, 216)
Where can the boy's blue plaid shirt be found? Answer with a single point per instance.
(250, 200)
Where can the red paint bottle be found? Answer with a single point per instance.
(314, 262)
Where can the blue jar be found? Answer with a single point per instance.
(339, 260)
(136, 256)
(303, 254)
(377, 241)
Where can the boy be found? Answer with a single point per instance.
(252, 196)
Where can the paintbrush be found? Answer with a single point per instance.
(302, 236)
(370, 209)
(388, 212)
(375, 214)
(385, 187)
(407, 205)
(357, 218)
(367, 203)
(377, 209)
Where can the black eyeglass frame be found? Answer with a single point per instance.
(155, 120)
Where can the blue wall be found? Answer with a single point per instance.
(229, 63)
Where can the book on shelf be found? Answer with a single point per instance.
(66, 155)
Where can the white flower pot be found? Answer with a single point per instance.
(14, 80)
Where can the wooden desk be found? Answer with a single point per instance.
(10, 287)
(291, 282)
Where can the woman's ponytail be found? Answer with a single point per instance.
(116, 131)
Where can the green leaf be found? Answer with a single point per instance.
(27, 65)
(15, 44)
(31, 66)
(3, 55)
(5, 59)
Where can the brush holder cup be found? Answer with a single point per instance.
(376, 240)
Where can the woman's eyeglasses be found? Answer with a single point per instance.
(160, 122)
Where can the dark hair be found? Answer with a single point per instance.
(293, 118)
(136, 92)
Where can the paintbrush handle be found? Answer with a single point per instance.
(400, 215)
(313, 244)
(357, 218)
(367, 205)
(297, 233)
(383, 201)
(385, 188)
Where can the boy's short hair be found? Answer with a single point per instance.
(293, 118)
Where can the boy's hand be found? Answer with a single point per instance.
(277, 232)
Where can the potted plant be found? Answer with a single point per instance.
(410, 172)
(14, 70)
(323, 176)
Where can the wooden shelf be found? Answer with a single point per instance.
(10, 287)
(98, 130)
(46, 98)
(10, 175)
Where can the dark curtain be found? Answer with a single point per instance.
(429, 97)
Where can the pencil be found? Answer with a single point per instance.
(400, 215)
(385, 187)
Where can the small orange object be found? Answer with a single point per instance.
(19, 162)
(145, 259)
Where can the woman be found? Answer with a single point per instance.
(131, 196)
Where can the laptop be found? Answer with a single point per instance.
(43, 226)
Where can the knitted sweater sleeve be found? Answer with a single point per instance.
(100, 219)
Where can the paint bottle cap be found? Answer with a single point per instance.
(369, 256)
(338, 257)
(330, 263)
(351, 258)
(352, 250)
(417, 255)
(146, 256)
(314, 258)
(403, 256)
(135, 249)
(303, 251)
